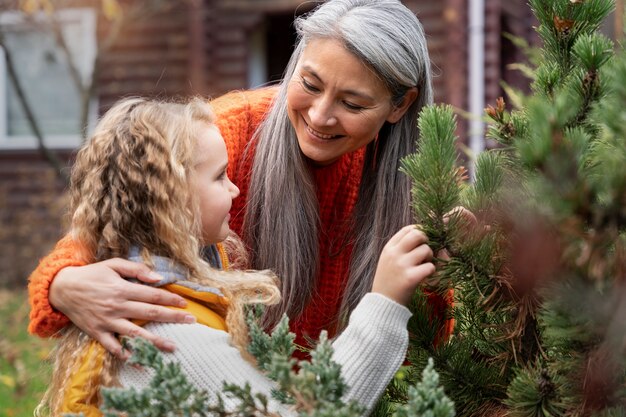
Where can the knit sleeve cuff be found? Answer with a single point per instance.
(377, 310)
(45, 321)
(372, 347)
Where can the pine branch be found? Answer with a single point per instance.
(436, 181)
(533, 394)
(427, 398)
(168, 394)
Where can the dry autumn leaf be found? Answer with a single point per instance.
(7, 380)
(111, 9)
(563, 25)
(34, 6)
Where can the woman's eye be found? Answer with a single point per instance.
(353, 107)
(308, 86)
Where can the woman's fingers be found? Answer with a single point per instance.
(151, 295)
(131, 329)
(129, 269)
(143, 293)
(99, 302)
(115, 324)
(111, 344)
(150, 312)
(126, 328)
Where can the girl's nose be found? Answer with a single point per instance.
(234, 190)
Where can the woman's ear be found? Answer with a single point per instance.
(398, 111)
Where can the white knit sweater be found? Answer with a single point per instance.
(370, 350)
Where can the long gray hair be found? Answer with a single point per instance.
(281, 224)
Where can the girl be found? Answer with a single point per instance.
(151, 186)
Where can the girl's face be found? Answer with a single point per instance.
(335, 103)
(211, 185)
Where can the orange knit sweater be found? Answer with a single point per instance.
(238, 116)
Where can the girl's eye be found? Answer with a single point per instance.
(222, 176)
(308, 86)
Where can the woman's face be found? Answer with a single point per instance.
(211, 185)
(335, 103)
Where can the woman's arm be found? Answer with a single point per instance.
(45, 321)
(96, 298)
(370, 351)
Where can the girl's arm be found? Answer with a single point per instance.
(370, 351)
(372, 348)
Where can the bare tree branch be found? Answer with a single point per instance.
(137, 11)
(54, 160)
(84, 91)
(56, 29)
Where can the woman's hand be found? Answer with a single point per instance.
(98, 301)
(403, 264)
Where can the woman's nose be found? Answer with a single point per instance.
(321, 112)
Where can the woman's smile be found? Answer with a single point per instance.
(319, 135)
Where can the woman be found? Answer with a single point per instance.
(317, 162)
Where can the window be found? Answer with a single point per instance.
(44, 75)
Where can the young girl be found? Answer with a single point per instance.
(151, 186)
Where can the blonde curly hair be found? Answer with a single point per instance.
(131, 186)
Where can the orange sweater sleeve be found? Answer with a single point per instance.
(45, 321)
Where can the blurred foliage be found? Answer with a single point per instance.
(23, 370)
(539, 275)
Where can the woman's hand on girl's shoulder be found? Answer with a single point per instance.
(102, 304)
(403, 264)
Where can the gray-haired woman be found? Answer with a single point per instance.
(316, 159)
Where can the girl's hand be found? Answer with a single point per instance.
(101, 303)
(403, 264)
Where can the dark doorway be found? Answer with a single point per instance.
(280, 42)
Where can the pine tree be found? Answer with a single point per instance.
(540, 278)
